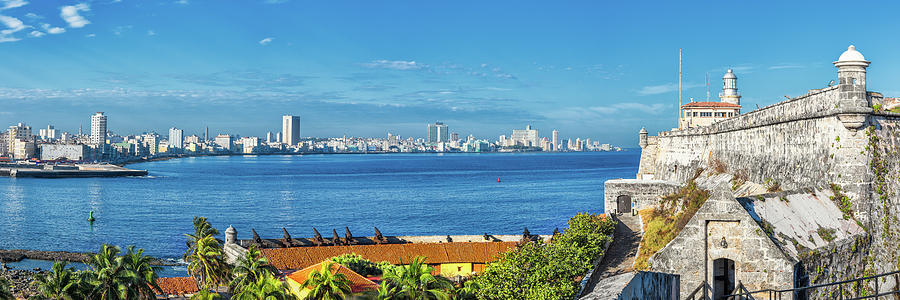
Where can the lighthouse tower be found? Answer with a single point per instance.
(729, 89)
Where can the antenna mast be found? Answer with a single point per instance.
(707, 86)
(679, 84)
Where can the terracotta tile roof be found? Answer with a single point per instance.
(297, 258)
(711, 104)
(358, 283)
(177, 285)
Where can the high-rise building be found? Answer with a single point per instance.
(17, 137)
(151, 141)
(438, 132)
(98, 130)
(48, 134)
(206, 134)
(525, 137)
(224, 141)
(454, 137)
(176, 139)
(268, 137)
(290, 129)
(555, 140)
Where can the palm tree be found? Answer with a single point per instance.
(250, 267)
(416, 282)
(202, 228)
(5, 294)
(468, 290)
(61, 283)
(108, 277)
(326, 285)
(205, 294)
(143, 281)
(206, 263)
(265, 287)
(385, 291)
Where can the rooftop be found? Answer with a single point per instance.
(358, 283)
(296, 258)
(177, 286)
(710, 104)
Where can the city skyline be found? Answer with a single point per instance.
(484, 70)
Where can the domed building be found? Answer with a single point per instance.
(696, 114)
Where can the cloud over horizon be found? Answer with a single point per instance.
(70, 13)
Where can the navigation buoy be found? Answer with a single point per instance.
(91, 216)
(498, 179)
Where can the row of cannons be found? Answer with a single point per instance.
(348, 239)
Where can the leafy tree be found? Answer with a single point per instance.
(205, 294)
(358, 264)
(5, 294)
(326, 285)
(469, 291)
(266, 287)
(249, 268)
(61, 283)
(207, 264)
(547, 271)
(202, 229)
(415, 281)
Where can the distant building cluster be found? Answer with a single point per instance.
(19, 143)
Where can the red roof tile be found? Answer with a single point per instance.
(297, 258)
(177, 285)
(358, 283)
(711, 104)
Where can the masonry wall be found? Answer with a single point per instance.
(883, 141)
(759, 263)
(651, 285)
(643, 193)
(798, 143)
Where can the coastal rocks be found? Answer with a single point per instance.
(16, 255)
(21, 281)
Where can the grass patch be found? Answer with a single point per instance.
(826, 234)
(843, 202)
(663, 223)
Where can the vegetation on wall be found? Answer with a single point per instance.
(663, 223)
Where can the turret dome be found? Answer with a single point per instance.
(851, 55)
(729, 75)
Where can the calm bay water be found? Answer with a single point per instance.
(401, 194)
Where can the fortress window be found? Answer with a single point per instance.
(852, 81)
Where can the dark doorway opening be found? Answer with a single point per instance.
(623, 204)
(723, 278)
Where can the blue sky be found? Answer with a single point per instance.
(593, 69)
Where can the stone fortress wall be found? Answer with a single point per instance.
(832, 135)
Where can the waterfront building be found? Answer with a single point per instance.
(290, 130)
(555, 140)
(65, 152)
(454, 137)
(224, 141)
(250, 144)
(191, 139)
(268, 137)
(527, 137)
(696, 114)
(22, 149)
(16, 133)
(48, 134)
(151, 142)
(164, 147)
(176, 139)
(438, 132)
(98, 131)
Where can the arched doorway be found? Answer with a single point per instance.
(723, 278)
(623, 204)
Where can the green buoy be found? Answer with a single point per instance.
(91, 216)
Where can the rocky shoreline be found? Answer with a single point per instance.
(16, 255)
(21, 282)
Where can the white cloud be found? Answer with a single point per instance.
(664, 88)
(90, 35)
(395, 64)
(182, 2)
(266, 41)
(6, 39)
(70, 14)
(151, 32)
(33, 16)
(35, 33)
(7, 4)
(12, 24)
(785, 66)
(52, 30)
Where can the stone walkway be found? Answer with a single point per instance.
(620, 255)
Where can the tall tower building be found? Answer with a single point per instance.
(729, 89)
(268, 137)
(176, 138)
(98, 130)
(438, 132)
(290, 129)
(555, 140)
